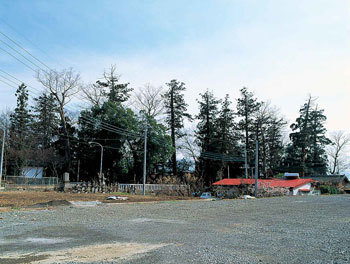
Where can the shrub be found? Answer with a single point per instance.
(328, 189)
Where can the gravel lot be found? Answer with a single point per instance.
(271, 230)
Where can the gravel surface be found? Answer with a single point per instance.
(271, 230)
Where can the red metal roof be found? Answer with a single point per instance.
(265, 182)
(304, 190)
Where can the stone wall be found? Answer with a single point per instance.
(87, 187)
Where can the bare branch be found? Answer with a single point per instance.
(93, 93)
(188, 146)
(149, 99)
(337, 151)
(63, 85)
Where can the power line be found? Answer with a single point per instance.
(104, 125)
(10, 75)
(8, 79)
(20, 46)
(19, 53)
(31, 42)
(20, 82)
(18, 59)
(92, 121)
(8, 84)
(221, 157)
(74, 139)
(85, 141)
(114, 127)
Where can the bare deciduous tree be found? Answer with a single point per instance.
(188, 146)
(263, 116)
(5, 125)
(93, 93)
(149, 100)
(270, 126)
(337, 151)
(5, 118)
(63, 85)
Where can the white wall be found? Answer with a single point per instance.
(305, 186)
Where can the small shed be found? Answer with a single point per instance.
(32, 172)
(289, 175)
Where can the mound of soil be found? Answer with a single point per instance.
(50, 203)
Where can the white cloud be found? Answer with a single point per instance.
(283, 51)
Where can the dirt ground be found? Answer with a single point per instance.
(22, 199)
(95, 253)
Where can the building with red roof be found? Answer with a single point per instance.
(295, 185)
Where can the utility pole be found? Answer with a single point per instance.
(2, 153)
(101, 177)
(228, 171)
(144, 161)
(245, 162)
(78, 173)
(256, 167)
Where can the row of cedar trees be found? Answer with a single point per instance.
(47, 134)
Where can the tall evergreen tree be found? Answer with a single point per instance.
(206, 135)
(159, 147)
(46, 131)
(90, 129)
(247, 107)
(111, 111)
(275, 146)
(300, 136)
(45, 113)
(317, 160)
(123, 141)
(117, 92)
(176, 111)
(20, 134)
(227, 137)
(306, 153)
(21, 118)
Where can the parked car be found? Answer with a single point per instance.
(206, 195)
(196, 194)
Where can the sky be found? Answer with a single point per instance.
(282, 50)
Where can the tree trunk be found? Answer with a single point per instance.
(173, 158)
(335, 163)
(305, 136)
(67, 152)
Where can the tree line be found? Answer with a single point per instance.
(48, 132)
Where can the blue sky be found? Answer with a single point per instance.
(282, 50)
